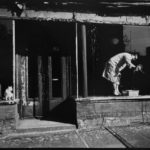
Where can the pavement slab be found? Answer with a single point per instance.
(31, 125)
(59, 139)
(137, 136)
(94, 138)
(100, 138)
(145, 133)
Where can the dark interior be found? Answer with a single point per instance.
(104, 41)
(6, 58)
(48, 39)
(45, 39)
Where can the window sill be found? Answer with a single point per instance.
(112, 98)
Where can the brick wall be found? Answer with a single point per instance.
(92, 113)
(8, 118)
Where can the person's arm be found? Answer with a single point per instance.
(122, 67)
(129, 63)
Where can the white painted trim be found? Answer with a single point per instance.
(99, 98)
(77, 17)
(76, 46)
(14, 51)
(128, 20)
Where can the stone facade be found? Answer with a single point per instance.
(8, 118)
(92, 113)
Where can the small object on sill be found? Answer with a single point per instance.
(130, 92)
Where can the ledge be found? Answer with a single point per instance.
(112, 110)
(2, 102)
(112, 98)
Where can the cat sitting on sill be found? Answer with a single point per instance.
(9, 94)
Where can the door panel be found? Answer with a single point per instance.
(53, 83)
(21, 81)
(56, 77)
(60, 80)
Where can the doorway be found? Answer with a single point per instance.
(50, 49)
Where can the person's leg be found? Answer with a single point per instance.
(116, 89)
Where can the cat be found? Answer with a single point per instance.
(9, 94)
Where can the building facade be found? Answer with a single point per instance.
(56, 50)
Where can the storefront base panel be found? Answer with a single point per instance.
(104, 112)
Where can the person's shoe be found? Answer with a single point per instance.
(117, 93)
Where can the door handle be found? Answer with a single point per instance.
(55, 79)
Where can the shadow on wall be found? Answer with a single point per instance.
(64, 112)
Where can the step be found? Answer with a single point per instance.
(35, 125)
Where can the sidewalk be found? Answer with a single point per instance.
(61, 138)
(137, 136)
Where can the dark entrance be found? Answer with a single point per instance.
(50, 49)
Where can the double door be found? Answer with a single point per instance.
(44, 80)
(54, 81)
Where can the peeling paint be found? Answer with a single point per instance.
(48, 15)
(93, 18)
(77, 17)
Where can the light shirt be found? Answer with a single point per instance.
(120, 61)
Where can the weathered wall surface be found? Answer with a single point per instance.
(8, 118)
(137, 38)
(77, 16)
(114, 113)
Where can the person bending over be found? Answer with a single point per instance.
(114, 66)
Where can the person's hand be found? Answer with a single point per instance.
(132, 66)
(139, 68)
(118, 75)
